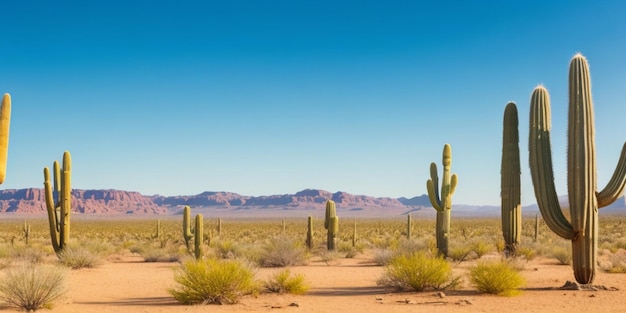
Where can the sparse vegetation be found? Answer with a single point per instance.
(285, 282)
(212, 281)
(418, 271)
(280, 251)
(32, 286)
(496, 278)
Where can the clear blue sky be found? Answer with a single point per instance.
(272, 97)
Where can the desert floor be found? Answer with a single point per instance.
(127, 284)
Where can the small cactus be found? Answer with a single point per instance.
(442, 202)
(59, 210)
(331, 223)
(26, 231)
(409, 226)
(197, 234)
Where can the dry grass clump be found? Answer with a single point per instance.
(613, 262)
(563, 254)
(213, 281)
(284, 282)
(281, 251)
(496, 278)
(418, 271)
(32, 286)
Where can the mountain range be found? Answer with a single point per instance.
(302, 203)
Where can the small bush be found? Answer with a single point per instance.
(562, 254)
(282, 251)
(481, 248)
(496, 278)
(159, 255)
(613, 262)
(418, 271)
(213, 281)
(76, 257)
(383, 256)
(227, 249)
(284, 282)
(32, 287)
(461, 252)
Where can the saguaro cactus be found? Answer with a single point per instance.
(197, 233)
(59, 210)
(510, 182)
(409, 226)
(309, 233)
(584, 200)
(5, 121)
(442, 203)
(331, 223)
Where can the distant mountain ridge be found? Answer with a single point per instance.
(308, 201)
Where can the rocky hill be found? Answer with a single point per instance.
(302, 203)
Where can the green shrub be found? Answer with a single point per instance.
(31, 286)
(213, 281)
(227, 249)
(284, 282)
(418, 271)
(461, 252)
(496, 278)
(481, 248)
(282, 251)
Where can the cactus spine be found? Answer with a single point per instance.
(197, 234)
(442, 202)
(584, 200)
(331, 223)
(5, 121)
(510, 181)
(309, 233)
(59, 210)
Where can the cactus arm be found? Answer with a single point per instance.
(5, 121)
(540, 158)
(615, 187)
(52, 221)
(187, 233)
(453, 181)
(431, 186)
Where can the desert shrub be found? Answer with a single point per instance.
(282, 251)
(31, 286)
(213, 281)
(562, 254)
(27, 254)
(383, 256)
(496, 278)
(418, 271)
(284, 282)
(481, 248)
(461, 252)
(227, 249)
(159, 255)
(525, 252)
(613, 262)
(76, 256)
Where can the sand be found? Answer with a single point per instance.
(127, 284)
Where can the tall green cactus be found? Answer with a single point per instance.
(197, 233)
(510, 182)
(584, 200)
(59, 207)
(5, 121)
(331, 223)
(442, 203)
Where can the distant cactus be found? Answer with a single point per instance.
(59, 211)
(510, 182)
(442, 203)
(26, 231)
(5, 121)
(354, 235)
(197, 233)
(409, 226)
(584, 199)
(331, 223)
(309, 233)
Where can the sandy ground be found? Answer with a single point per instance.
(348, 285)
